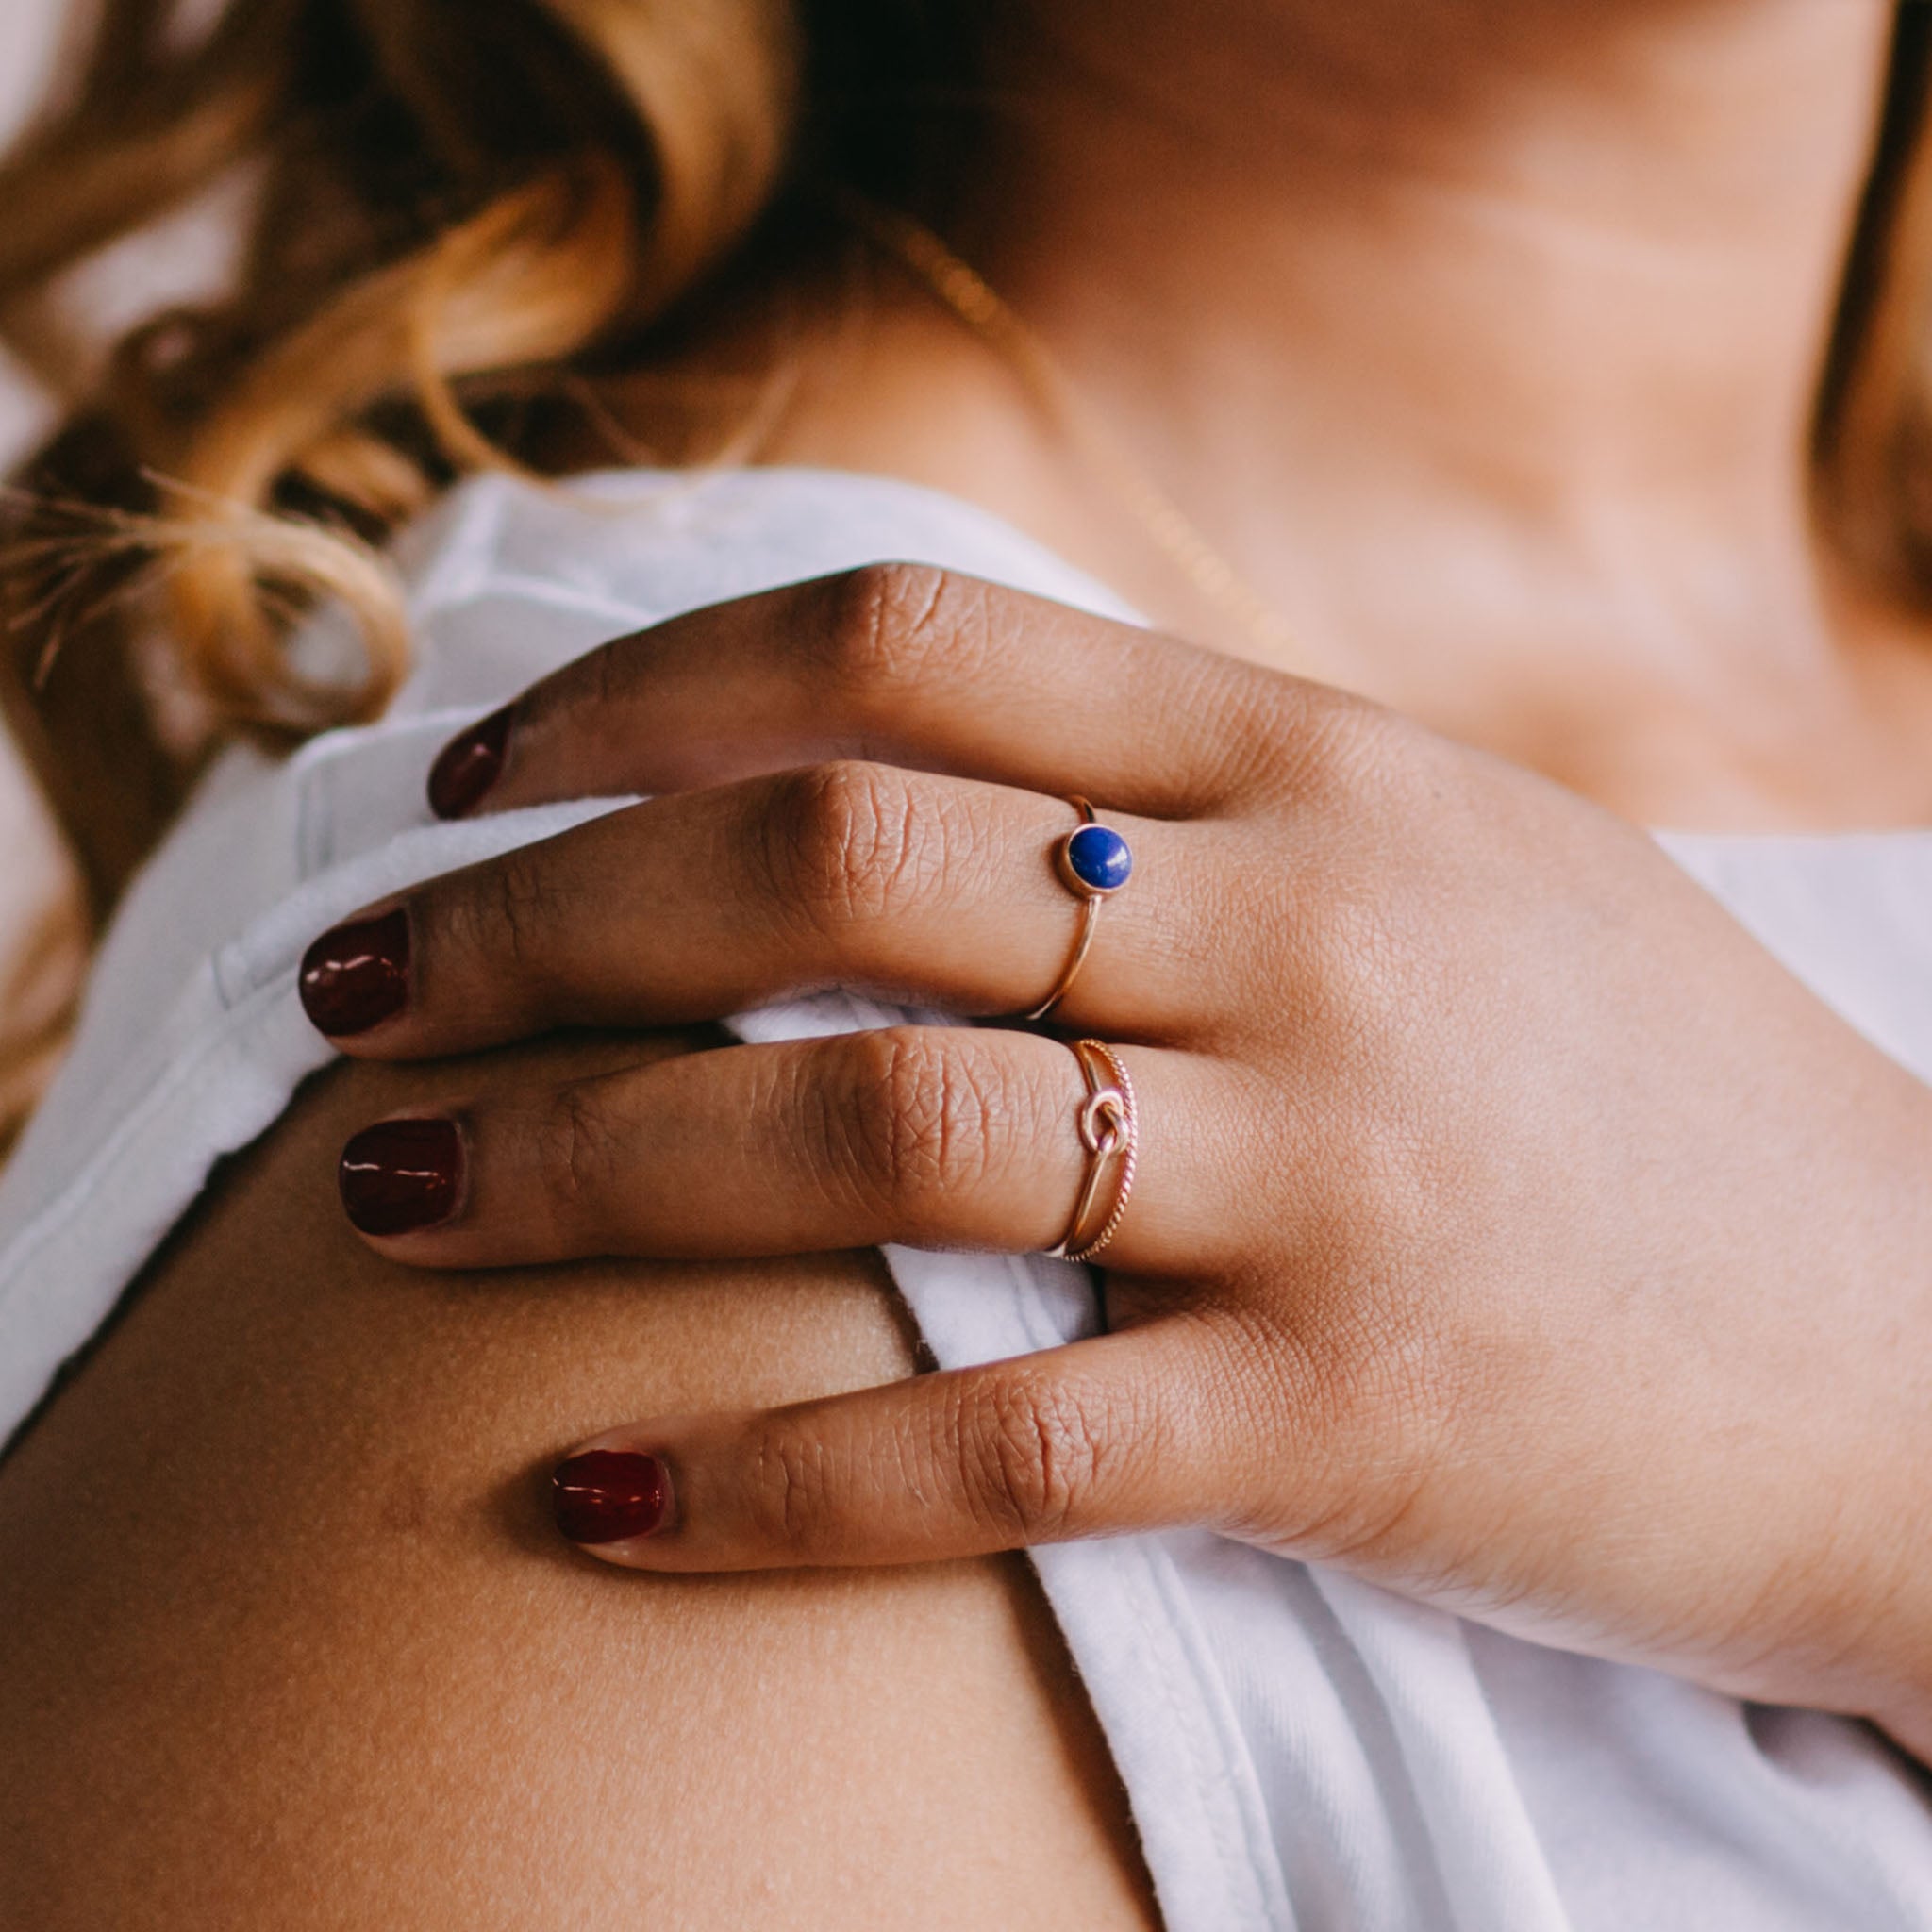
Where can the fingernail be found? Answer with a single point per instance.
(606, 1495)
(358, 975)
(468, 766)
(401, 1176)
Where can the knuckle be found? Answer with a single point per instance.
(580, 1153)
(1369, 1387)
(1306, 758)
(884, 624)
(1371, 966)
(1287, 743)
(1367, 964)
(1033, 1452)
(1361, 933)
(1358, 755)
(513, 913)
(1256, 723)
(915, 1124)
(1369, 1450)
(844, 841)
(787, 1490)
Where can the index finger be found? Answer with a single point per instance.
(898, 663)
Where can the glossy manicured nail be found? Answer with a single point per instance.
(401, 1176)
(607, 1495)
(468, 766)
(358, 975)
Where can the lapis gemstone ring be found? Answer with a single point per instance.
(1093, 862)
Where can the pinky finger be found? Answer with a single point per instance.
(1117, 1434)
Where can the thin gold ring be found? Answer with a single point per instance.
(1110, 1130)
(1089, 883)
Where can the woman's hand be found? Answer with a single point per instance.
(1508, 1227)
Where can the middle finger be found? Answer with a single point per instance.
(699, 905)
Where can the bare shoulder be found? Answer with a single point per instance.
(289, 1642)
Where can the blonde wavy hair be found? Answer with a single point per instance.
(468, 222)
(471, 229)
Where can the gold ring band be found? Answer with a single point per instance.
(1109, 1131)
(1087, 891)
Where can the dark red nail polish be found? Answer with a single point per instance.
(608, 1494)
(468, 766)
(401, 1176)
(358, 975)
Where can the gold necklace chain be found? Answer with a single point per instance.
(964, 290)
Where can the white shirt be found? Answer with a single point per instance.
(1301, 1750)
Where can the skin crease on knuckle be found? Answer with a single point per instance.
(848, 834)
(884, 621)
(905, 1128)
(282, 1600)
(1042, 1443)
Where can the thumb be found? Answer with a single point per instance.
(1095, 1439)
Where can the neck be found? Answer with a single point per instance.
(1555, 248)
(1480, 336)
(1474, 330)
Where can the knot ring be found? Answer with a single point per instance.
(1109, 1131)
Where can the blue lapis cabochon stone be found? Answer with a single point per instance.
(1100, 859)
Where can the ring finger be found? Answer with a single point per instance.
(698, 905)
(929, 1137)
